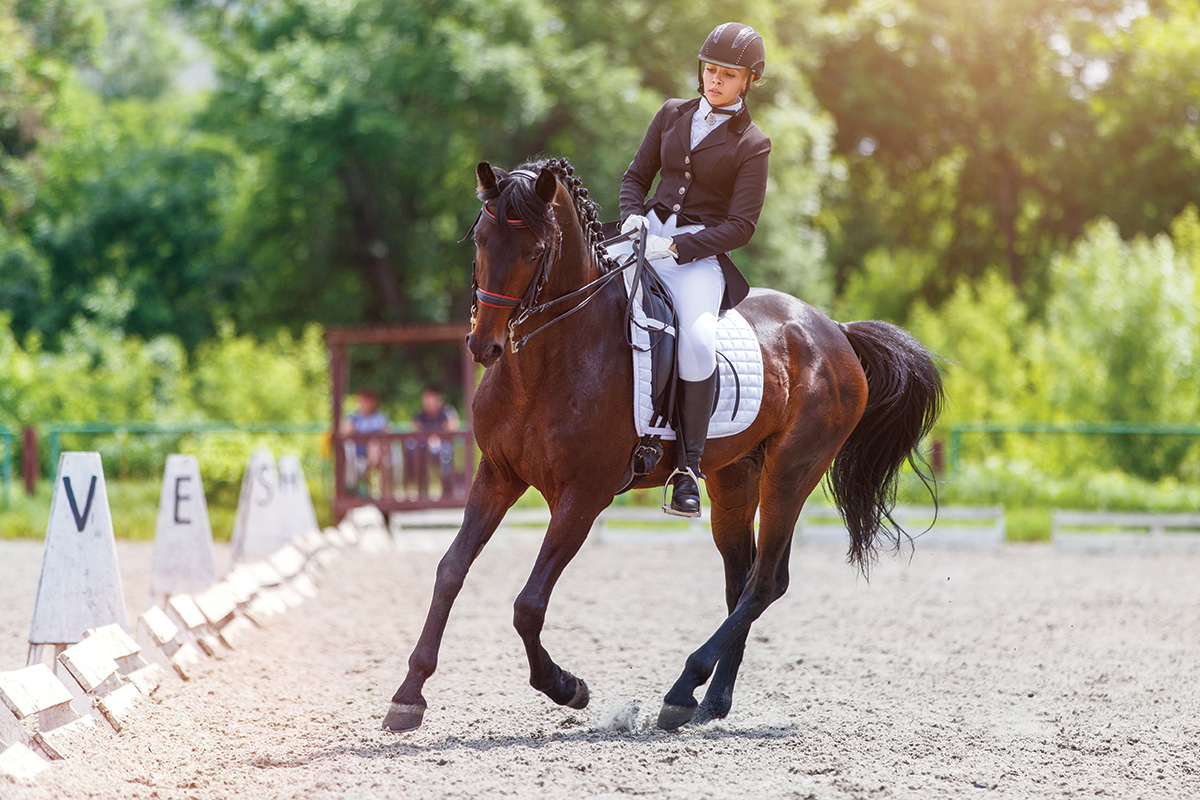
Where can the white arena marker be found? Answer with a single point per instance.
(20, 763)
(183, 541)
(11, 731)
(296, 512)
(257, 531)
(80, 583)
(40, 699)
(184, 612)
(372, 528)
(166, 643)
(127, 653)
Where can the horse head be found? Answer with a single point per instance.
(517, 240)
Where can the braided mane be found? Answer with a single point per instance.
(516, 200)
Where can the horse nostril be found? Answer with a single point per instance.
(492, 353)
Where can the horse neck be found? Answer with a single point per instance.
(585, 337)
(576, 263)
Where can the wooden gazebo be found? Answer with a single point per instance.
(400, 480)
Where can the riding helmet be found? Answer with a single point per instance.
(736, 46)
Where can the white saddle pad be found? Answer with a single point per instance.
(739, 359)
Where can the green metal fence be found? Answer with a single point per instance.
(1120, 428)
(7, 438)
(55, 430)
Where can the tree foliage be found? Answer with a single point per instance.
(1010, 178)
(364, 121)
(988, 134)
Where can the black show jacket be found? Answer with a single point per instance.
(721, 184)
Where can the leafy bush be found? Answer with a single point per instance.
(103, 376)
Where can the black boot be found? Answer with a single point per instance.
(693, 407)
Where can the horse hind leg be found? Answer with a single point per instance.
(733, 494)
(785, 484)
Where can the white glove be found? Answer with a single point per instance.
(634, 221)
(658, 247)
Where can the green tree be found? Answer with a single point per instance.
(1145, 157)
(364, 121)
(989, 133)
(1124, 319)
(38, 42)
(141, 52)
(129, 192)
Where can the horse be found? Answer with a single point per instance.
(555, 413)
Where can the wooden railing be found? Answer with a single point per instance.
(403, 471)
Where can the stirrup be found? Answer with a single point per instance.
(670, 480)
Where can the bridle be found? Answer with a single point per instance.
(527, 306)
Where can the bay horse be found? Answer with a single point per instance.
(555, 412)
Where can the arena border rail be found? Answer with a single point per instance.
(38, 721)
(1121, 428)
(1125, 532)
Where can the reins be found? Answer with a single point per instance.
(636, 258)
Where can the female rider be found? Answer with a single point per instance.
(713, 164)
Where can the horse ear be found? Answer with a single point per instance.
(486, 176)
(546, 185)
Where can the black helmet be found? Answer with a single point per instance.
(736, 46)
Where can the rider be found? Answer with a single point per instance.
(713, 162)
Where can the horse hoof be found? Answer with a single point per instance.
(672, 716)
(403, 717)
(708, 711)
(580, 700)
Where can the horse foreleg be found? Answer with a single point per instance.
(569, 527)
(491, 496)
(733, 493)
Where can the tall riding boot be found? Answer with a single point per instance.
(693, 407)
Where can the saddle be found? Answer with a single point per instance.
(649, 307)
(650, 325)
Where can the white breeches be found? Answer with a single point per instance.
(697, 289)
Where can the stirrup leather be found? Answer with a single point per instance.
(670, 485)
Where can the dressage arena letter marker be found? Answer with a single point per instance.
(296, 513)
(80, 583)
(257, 531)
(183, 541)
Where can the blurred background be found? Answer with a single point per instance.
(192, 192)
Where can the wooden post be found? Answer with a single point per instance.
(468, 383)
(340, 376)
(29, 460)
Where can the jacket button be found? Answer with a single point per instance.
(687, 159)
(687, 175)
(675, 207)
(682, 189)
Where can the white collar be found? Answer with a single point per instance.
(706, 106)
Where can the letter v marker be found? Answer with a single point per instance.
(80, 521)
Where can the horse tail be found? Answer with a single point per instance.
(904, 399)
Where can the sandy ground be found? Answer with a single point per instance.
(1018, 673)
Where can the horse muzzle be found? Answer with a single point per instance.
(485, 350)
